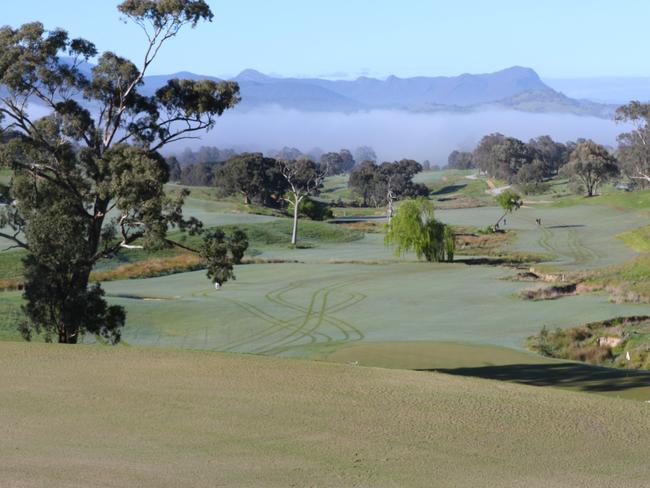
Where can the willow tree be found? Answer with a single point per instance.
(509, 201)
(88, 177)
(414, 228)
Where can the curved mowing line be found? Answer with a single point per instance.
(303, 326)
(354, 298)
(320, 318)
(585, 249)
(279, 325)
(575, 249)
(545, 241)
(580, 254)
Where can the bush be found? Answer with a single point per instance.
(315, 210)
(533, 187)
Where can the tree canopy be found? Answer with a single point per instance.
(254, 176)
(634, 146)
(505, 157)
(414, 228)
(89, 183)
(374, 182)
(590, 165)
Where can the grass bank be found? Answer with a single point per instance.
(622, 343)
(92, 416)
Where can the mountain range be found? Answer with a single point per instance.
(515, 88)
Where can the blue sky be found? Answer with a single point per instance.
(347, 38)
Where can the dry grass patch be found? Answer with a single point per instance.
(150, 268)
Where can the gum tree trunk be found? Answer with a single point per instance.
(294, 232)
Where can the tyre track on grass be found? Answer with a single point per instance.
(297, 327)
(320, 317)
(313, 314)
(347, 329)
(575, 248)
(277, 324)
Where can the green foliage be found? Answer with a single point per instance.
(313, 209)
(374, 182)
(590, 165)
(509, 200)
(633, 150)
(414, 228)
(163, 12)
(461, 160)
(220, 252)
(238, 245)
(605, 343)
(76, 169)
(214, 252)
(254, 177)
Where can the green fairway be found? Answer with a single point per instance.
(386, 302)
(579, 237)
(346, 290)
(97, 417)
(343, 294)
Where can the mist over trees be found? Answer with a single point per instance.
(205, 154)
(338, 162)
(365, 153)
(461, 160)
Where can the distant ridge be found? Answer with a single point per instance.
(516, 88)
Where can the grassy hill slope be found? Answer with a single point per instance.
(91, 416)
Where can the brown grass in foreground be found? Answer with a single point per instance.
(93, 416)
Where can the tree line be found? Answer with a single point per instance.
(201, 167)
(586, 163)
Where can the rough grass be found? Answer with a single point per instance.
(638, 239)
(549, 292)
(278, 233)
(145, 264)
(96, 417)
(626, 282)
(11, 266)
(633, 200)
(150, 268)
(604, 343)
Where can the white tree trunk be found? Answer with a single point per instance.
(294, 232)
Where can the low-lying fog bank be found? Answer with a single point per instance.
(394, 134)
